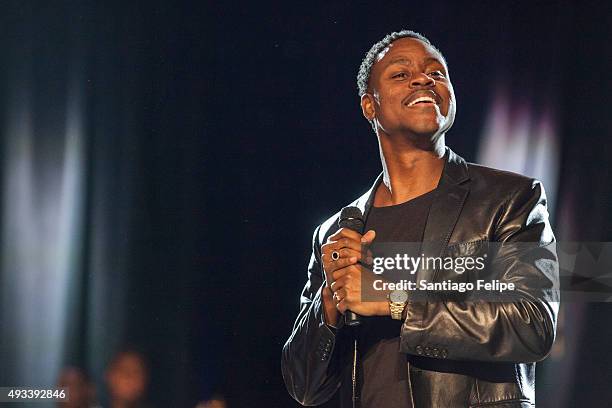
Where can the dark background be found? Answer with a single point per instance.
(214, 138)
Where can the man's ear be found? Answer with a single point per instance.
(367, 106)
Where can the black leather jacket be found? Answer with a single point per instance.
(470, 353)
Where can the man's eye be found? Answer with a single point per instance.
(401, 75)
(437, 74)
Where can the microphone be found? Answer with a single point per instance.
(351, 218)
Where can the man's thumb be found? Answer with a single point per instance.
(368, 237)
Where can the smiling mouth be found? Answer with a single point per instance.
(423, 100)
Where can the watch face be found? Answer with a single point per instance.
(398, 296)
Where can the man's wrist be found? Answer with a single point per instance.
(331, 315)
(384, 309)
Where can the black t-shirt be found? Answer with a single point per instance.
(383, 369)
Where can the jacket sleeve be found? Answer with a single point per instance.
(311, 356)
(520, 330)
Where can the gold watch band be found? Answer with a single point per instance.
(397, 310)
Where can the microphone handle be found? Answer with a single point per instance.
(352, 218)
(352, 318)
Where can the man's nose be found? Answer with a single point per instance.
(422, 80)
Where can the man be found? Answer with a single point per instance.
(425, 352)
(127, 377)
(217, 401)
(81, 390)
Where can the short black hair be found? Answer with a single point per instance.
(363, 76)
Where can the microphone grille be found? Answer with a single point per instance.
(351, 212)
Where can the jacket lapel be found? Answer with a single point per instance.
(445, 210)
(366, 201)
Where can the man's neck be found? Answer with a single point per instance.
(409, 169)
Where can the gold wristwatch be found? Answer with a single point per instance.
(397, 303)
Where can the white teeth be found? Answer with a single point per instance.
(422, 99)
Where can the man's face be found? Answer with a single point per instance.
(410, 91)
(79, 389)
(127, 378)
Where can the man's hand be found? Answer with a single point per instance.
(344, 275)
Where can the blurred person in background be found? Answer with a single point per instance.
(127, 377)
(216, 401)
(81, 391)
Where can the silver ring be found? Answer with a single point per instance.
(335, 255)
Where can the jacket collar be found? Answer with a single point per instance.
(455, 172)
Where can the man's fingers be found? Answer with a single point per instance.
(345, 233)
(339, 295)
(344, 301)
(340, 264)
(348, 239)
(332, 267)
(344, 242)
(345, 246)
(342, 253)
(341, 273)
(341, 306)
(337, 285)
